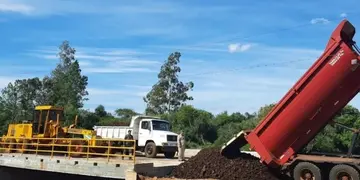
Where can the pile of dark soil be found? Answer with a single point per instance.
(209, 163)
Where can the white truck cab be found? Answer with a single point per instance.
(152, 135)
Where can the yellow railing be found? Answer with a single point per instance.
(71, 147)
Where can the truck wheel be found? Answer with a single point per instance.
(343, 171)
(306, 169)
(150, 150)
(169, 155)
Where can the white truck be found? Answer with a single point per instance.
(152, 135)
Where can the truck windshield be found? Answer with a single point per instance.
(160, 125)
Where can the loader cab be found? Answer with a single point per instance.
(43, 115)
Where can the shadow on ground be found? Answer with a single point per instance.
(151, 171)
(7, 173)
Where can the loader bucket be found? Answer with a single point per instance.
(231, 149)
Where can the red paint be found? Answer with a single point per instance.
(311, 103)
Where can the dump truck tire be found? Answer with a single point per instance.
(150, 150)
(342, 169)
(302, 168)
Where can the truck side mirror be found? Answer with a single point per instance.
(149, 127)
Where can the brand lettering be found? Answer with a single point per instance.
(337, 57)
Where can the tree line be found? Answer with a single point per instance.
(66, 87)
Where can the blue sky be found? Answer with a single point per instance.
(240, 54)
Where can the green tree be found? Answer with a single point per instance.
(27, 92)
(224, 118)
(45, 96)
(18, 100)
(10, 103)
(229, 125)
(88, 119)
(100, 111)
(68, 86)
(199, 131)
(333, 138)
(125, 113)
(169, 93)
(226, 132)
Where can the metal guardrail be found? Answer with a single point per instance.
(70, 147)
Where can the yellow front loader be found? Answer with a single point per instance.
(45, 130)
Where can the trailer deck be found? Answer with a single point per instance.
(99, 167)
(115, 168)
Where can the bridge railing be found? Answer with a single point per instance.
(71, 147)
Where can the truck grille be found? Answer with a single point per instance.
(171, 138)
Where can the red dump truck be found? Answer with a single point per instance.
(327, 87)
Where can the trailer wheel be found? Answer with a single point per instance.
(150, 150)
(343, 172)
(305, 170)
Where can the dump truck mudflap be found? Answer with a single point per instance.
(231, 149)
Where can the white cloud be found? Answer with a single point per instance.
(242, 91)
(343, 15)
(105, 60)
(133, 8)
(319, 21)
(116, 70)
(172, 31)
(234, 87)
(8, 6)
(84, 63)
(97, 91)
(238, 90)
(142, 87)
(214, 84)
(130, 97)
(135, 91)
(287, 53)
(237, 47)
(190, 48)
(209, 48)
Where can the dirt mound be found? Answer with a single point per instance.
(209, 163)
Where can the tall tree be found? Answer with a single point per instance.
(69, 86)
(168, 94)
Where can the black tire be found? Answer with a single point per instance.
(303, 167)
(169, 155)
(150, 150)
(343, 169)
